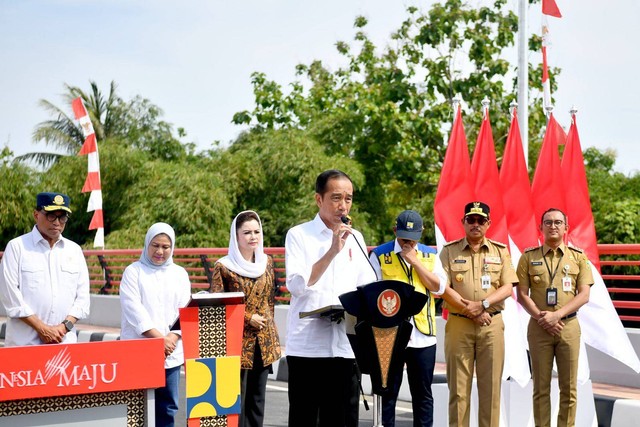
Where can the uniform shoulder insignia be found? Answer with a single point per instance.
(452, 242)
(500, 244)
(573, 248)
(532, 248)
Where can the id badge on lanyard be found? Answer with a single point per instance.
(552, 297)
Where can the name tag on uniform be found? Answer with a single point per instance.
(493, 260)
(486, 281)
(566, 284)
(459, 261)
(536, 262)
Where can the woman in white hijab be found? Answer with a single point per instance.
(248, 269)
(151, 292)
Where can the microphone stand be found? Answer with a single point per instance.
(377, 400)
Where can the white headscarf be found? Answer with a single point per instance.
(154, 230)
(236, 262)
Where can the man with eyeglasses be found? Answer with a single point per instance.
(480, 277)
(555, 281)
(44, 280)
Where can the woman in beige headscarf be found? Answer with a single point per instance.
(249, 270)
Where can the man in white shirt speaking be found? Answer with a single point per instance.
(323, 261)
(44, 280)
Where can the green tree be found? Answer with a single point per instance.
(389, 109)
(136, 123)
(17, 184)
(273, 172)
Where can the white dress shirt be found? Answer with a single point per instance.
(305, 244)
(417, 339)
(50, 282)
(150, 298)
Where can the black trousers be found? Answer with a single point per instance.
(420, 365)
(253, 384)
(323, 392)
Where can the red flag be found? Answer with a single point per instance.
(96, 221)
(78, 108)
(582, 231)
(549, 7)
(484, 171)
(516, 191)
(90, 145)
(546, 189)
(92, 182)
(455, 188)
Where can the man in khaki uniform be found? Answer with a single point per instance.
(555, 281)
(480, 277)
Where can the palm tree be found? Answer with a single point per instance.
(64, 133)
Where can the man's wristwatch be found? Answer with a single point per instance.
(68, 325)
(485, 304)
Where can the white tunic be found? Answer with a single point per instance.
(150, 298)
(50, 282)
(305, 244)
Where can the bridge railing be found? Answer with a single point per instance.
(620, 271)
(620, 265)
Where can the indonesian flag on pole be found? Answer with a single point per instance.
(599, 321)
(549, 8)
(547, 192)
(582, 231)
(516, 192)
(546, 189)
(455, 188)
(92, 182)
(484, 171)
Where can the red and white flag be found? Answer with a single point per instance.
(516, 193)
(549, 8)
(599, 321)
(546, 189)
(486, 178)
(582, 230)
(455, 188)
(92, 182)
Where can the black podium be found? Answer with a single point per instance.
(383, 330)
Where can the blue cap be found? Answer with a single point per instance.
(53, 202)
(409, 225)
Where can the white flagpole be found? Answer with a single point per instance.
(523, 77)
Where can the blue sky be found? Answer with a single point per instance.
(194, 59)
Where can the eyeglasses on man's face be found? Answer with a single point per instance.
(556, 222)
(51, 217)
(475, 219)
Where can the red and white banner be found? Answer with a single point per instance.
(92, 183)
(68, 369)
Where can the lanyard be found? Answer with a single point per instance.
(549, 269)
(408, 270)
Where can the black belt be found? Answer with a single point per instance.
(490, 314)
(569, 316)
